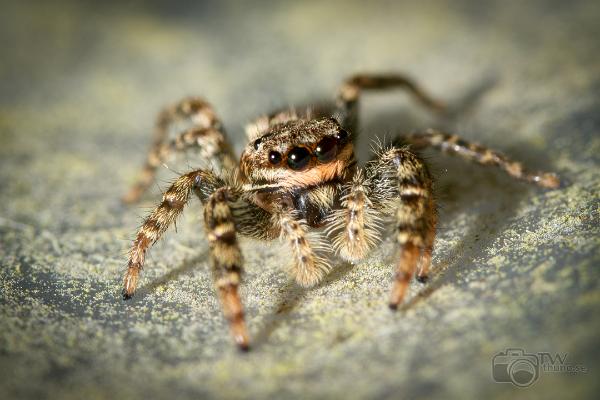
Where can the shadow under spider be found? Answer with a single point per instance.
(468, 102)
(186, 266)
(289, 297)
(460, 258)
(481, 233)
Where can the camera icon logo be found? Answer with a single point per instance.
(516, 367)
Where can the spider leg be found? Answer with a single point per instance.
(455, 145)
(226, 259)
(349, 95)
(159, 220)
(220, 226)
(308, 266)
(355, 226)
(205, 132)
(400, 184)
(425, 261)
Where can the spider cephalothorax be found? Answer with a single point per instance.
(298, 173)
(297, 165)
(297, 153)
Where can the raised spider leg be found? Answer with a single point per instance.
(349, 95)
(206, 133)
(473, 152)
(399, 183)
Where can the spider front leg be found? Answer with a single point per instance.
(226, 259)
(220, 229)
(205, 132)
(159, 220)
(349, 95)
(401, 185)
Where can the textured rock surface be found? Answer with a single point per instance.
(514, 266)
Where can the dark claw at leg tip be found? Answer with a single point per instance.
(126, 296)
(245, 348)
(423, 279)
(393, 306)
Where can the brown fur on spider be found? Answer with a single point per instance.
(298, 173)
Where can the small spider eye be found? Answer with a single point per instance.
(326, 149)
(342, 136)
(298, 158)
(274, 157)
(257, 143)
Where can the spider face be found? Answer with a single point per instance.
(296, 154)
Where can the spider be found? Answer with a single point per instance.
(298, 180)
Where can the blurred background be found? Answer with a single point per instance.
(80, 85)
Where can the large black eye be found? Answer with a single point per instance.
(298, 158)
(257, 143)
(326, 149)
(342, 136)
(274, 157)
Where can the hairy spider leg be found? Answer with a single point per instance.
(349, 95)
(220, 229)
(453, 144)
(399, 183)
(206, 133)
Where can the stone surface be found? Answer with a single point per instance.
(514, 266)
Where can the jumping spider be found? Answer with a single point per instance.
(299, 172)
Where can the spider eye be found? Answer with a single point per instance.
(298, 158)
(326, 149)
(342, 136)
(257, 143)
(274, 157)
